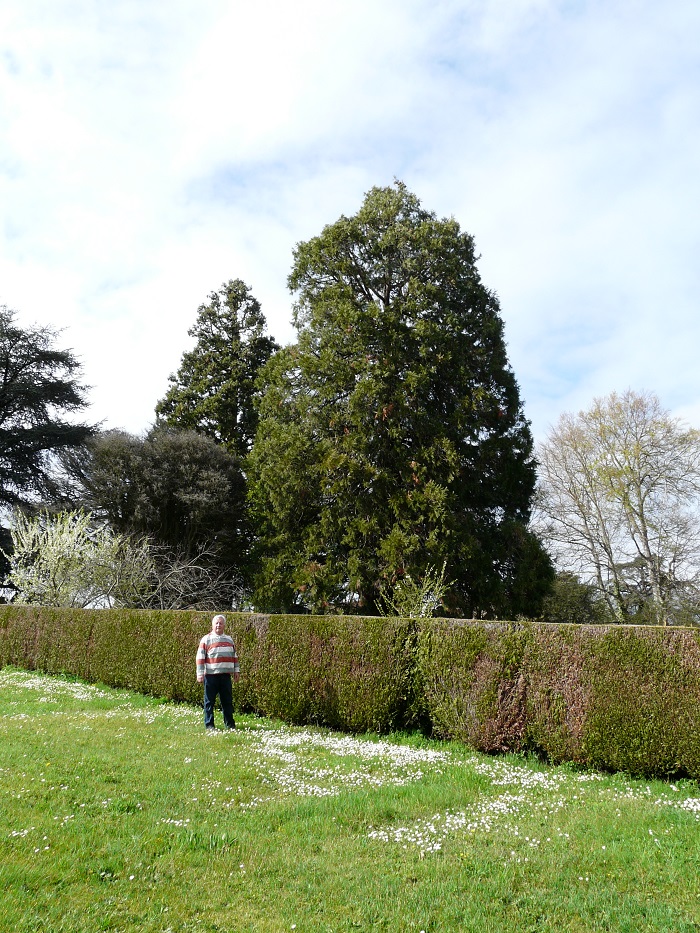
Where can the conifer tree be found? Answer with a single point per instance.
(392, 436)
(213, 390)
(39, 387)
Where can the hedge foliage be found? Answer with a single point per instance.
(349, 673)
(613, 697)
(622, 698)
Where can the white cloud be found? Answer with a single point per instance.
(151, 151)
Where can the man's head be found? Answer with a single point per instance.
(218, 624)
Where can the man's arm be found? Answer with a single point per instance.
(236, 665)
(201, 660)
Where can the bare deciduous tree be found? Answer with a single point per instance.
(619, 504)
(181, 580)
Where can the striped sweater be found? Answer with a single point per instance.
(216, 655)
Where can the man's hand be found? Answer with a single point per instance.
(237, 676)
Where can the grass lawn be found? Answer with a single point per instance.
(118, 812)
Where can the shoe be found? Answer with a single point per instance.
(211, 730)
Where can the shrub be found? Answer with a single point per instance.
(613, 697)
(557, 695)
(417, 599)
(644, 708)
(349, 673)
(473, 683)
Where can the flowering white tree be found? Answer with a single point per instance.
(66, 559)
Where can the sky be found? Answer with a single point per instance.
(151, 151)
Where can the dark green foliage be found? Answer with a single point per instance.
(5, 548)
(473, 680)
(391, 435)
(151, 652)
(179, 488)
(557, 698)
(447, 685)
(644, 714)
(613, 697)
(351, 673)
(573, 602)
(214, 388)
(38, 385)
(48, 639)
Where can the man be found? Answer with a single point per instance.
(216, 661)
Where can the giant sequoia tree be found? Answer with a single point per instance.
(391, 435)
(213, 390)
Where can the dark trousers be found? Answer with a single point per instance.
(218, 685)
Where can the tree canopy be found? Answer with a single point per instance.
(214, 389)
(391, 435)
(179, 488)
(38, 387)
(620, 505)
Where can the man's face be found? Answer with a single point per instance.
(218, 626)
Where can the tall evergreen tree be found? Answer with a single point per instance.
(391, 435)
(38, 387)
(213, 390)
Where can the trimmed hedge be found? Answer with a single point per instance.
(613, 697)
(621, 698)
(348, 673)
